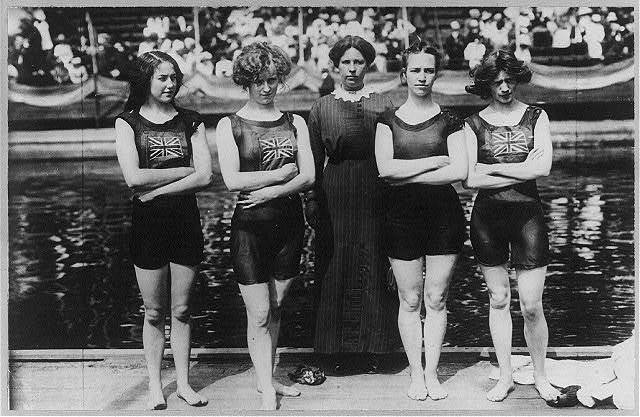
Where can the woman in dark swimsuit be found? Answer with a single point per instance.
(509, 146)
(265, 154)
(420, 150)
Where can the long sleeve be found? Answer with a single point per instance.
(318, 150)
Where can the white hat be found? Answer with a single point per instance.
(455, 25)
(474, 13)
(525, 40)
(76, 60)
(350, 15)
(584, 10)
(596, 17)
(612, 17)
(486, 15)
(473, 23)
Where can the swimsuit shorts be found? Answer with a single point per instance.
(267, 241)
(496, 225)
(166, 229)
(423, 220)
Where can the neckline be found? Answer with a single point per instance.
(145, 120)
(418, 126)
(262, 123)
(515, 125)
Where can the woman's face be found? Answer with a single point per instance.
(264, 90)
(352, 68)
(503, 88)
(164, 85)
(421, 73)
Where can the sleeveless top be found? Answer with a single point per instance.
(422, 140)
(264, 146)
(507, 144)
(163, 145)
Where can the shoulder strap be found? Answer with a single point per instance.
(473, 122)
(453, 121)
(534, 113)
(289, 117)
(128, 117)
(236, 129)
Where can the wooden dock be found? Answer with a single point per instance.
(117, 382)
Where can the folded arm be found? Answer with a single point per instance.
(229, 160)
(538, 162)
(301, 182)
(475, 177)
(200, 178)
(141, 178)
(455, 170)
(397, 170)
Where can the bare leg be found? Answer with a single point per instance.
(153, 287)
(408, 276)
(436, 289)
(182, 278)
(256, 300)
(497, 279)
(277, 291)
(536, 333)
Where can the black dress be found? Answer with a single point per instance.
(355, 311)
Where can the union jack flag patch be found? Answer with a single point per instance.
(274, 148)
(509, 142)
(160, 147)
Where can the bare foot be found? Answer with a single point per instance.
(417, 390)
(500, 391)
(546, 390)
(191, 397)
(156, 400)
(282, 389)
(269, 400)
(435, 389)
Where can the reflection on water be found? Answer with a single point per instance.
(71, 282)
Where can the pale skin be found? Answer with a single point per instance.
(263, 300)
(505, 110)
(154, 283)
(421, 73)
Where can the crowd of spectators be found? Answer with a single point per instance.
(37, 58)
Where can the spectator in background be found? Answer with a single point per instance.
(77, 72)
(474, 52)
(204, 63)
(224, 67)
(593, 36)
(41, 24)
(149, 42)
(522, 52)
(454, 47)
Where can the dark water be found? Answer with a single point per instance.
(71, 281)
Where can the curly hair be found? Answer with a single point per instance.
(419, 46)
(255, 59)
(350, 41)
(500, 60)
(141, 74)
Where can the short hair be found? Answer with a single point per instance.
(351, 41)
(419, 46)
(255, 59)
(499, 60)
(141, 74)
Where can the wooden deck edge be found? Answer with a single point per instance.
(197, 353)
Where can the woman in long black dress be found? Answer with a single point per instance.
(355, 312)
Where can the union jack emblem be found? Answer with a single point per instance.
(509, 142)
(276, 148)
(164, 146)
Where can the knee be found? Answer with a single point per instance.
(531, 310)
(500, 299)
(410, 301)
(436, 301)
(181, 313)
(154, 315)
(259, 317)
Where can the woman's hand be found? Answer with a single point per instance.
(144, 198)
(257, 197)
(484, 169)
(534, 154)
(288, 172)
(441, 161)
(312, 212)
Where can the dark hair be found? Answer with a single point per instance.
(343, 45)
(255, 59)
(141, 74)
(499, 60)
(419, 46)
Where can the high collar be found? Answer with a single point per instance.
(342, 94)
